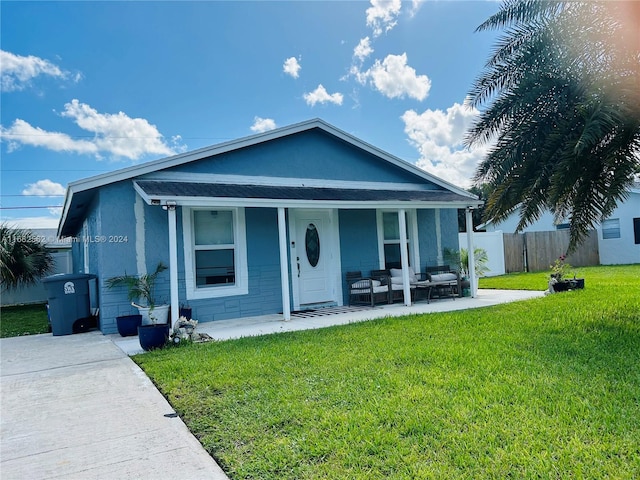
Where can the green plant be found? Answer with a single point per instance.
(480, 258)
(140, 287)
(560, 268)
(558, 107)
(24, 259)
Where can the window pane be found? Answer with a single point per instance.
(611, 228)
(390, 226)
(392, 256)
(312, 245)
(636, 230)
(214, 267)
(213, 227)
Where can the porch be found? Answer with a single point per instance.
(268, 324)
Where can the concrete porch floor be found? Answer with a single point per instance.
(267, 324)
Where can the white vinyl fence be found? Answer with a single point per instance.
(492, 243)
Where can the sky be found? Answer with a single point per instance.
(92, 87)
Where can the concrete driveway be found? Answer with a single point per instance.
(77, 407)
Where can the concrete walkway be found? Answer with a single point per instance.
(266, 324)
(76, 407)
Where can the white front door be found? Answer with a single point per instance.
(314, 257)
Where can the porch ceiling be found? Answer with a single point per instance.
(162, 191)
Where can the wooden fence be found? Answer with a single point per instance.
(536, 251)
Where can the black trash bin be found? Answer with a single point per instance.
(69, 296)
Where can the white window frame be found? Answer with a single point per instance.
(241, 285)
(412, 227)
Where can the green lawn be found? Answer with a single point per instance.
(614, 274)
(23, 320)
(547, 388)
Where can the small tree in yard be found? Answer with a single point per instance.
(24, 259)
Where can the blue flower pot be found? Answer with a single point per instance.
(128, 325)
(153, 336)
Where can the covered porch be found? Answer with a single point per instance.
(320, 233)
(269, 324)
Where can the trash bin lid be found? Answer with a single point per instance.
(68, 276)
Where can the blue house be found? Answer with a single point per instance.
(261, 225)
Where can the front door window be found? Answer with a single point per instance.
(312, 245)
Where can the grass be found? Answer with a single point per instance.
(23, 320)
(547, 388)
(612, 274)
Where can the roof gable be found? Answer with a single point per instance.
(362, 154)
(311, 154)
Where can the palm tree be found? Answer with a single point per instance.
(562, 112)
(480, 259)
(141, 287)
(24, 259)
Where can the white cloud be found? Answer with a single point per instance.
(262, 124)
(116, 135)
(363, 49)
(438, 136)
(292, 67)
(44, 188)
(34, 222)
(55, 211)
(320, 95)
(22, 133)
(382, 15)
(395, 79)
(18, 71)
(415, 6)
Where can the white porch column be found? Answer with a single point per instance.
(472, 261)
(284, 264)
(404, 257)
(173, 264)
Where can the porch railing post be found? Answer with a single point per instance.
(173, 264)
(284, 264)
(404, 257)
(472, 261)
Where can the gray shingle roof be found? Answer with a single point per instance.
(210, 190)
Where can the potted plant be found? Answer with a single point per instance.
(481, 259)
(154, 330)
(128, 324)
(558, 281)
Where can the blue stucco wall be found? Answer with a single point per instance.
(263, 259)
(115, 216)
(312, 154)
(449, 229)
(112, 250)
(427, 235)
(358, 243)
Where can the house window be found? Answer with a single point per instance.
(611, 228)
(636, 231)
(214, 245)
(390, 236)
(215, 252)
